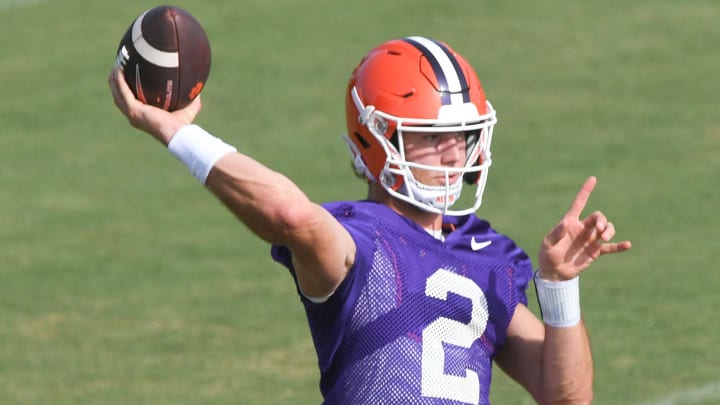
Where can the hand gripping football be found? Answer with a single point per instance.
(165, 57)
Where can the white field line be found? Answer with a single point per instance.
(689, 396)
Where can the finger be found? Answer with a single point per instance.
(587, 239)
(192, 110)
(119, 89)
(615, 247)
(582, 197)
(112, 81)
(123, 87)
(608, 233)
(597, 220)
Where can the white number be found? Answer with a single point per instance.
(435, 383)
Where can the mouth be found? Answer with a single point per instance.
(451, 179)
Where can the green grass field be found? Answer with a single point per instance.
(122, 281)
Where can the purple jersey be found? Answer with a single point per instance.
(417, 320)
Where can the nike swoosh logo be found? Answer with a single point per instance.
(475, 245)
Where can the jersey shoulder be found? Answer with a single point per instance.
(361, 211)
(478, 235)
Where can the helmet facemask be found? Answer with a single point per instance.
(396, 176)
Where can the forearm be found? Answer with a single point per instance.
(567, 366)
(264, 200)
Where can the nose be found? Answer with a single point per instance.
(452, 148)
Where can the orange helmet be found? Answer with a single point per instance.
(417, 84)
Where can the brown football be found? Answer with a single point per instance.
(165, 57)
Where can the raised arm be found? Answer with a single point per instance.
(272, 206)
(552, 359)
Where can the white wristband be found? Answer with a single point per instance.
(198, 150)
(559, 301)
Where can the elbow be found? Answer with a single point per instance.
(294, 215)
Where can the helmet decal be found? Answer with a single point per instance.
(452, 83)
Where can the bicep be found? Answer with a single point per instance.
(521, 357)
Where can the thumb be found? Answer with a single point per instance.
(189, 113)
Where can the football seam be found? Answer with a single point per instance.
(178, 76)
(148, 52)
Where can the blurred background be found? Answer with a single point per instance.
(123, 281)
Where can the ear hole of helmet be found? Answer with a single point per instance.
(365, 144)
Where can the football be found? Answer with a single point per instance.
(165, 57)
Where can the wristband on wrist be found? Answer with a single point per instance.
(559, 301)
(198, 150)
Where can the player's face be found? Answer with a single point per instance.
(436, 149)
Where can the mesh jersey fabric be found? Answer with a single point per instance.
(417, 320)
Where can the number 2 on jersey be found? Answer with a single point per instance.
(435, 383)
